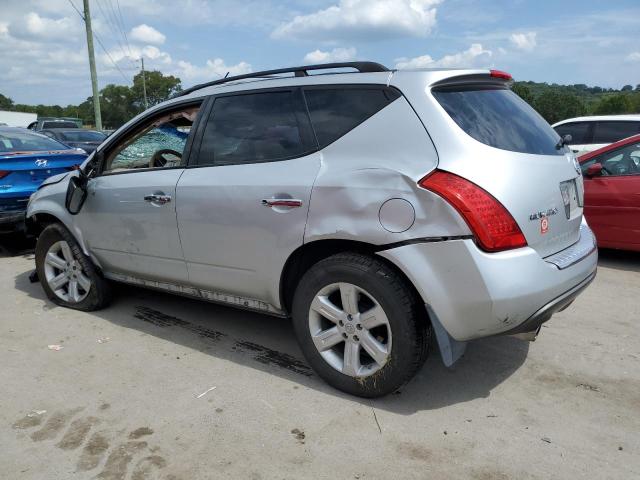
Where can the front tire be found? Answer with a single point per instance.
(360, 324)
(68, 277)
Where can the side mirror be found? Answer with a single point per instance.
(76, 194)
(594, 170)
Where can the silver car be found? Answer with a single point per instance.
(375, 208)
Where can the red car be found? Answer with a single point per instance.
(612, 193)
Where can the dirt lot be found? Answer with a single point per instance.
(125, 397)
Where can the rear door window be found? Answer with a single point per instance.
(579, 132)
(336, 111)
(499, 118)
(255, 127)
(609, 132)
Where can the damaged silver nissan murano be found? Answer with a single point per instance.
(376, 208)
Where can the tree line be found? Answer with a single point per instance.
(558, 102)
(120, 103)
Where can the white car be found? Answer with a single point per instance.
(591, 133)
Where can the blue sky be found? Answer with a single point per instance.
(43, 49)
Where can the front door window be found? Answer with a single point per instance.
(160, 144)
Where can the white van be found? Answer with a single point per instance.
(591, 133)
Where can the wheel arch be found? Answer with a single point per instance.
(307, 255)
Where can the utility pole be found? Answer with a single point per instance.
(92, 66)
(144, 84)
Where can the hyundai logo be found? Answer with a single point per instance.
(41, 162)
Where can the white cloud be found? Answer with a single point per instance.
(633, 57)
(473, 56)
(145, 34)
(149, 52)
(32, 27)
(524, 41)
(335, 55)
(212, 68)
(363, 18)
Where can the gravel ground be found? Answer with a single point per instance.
(164, 387)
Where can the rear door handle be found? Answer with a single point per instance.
(160, 199)
(281, 202)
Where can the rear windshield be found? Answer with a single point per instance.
(499, 118)
(18, 141)
(58, 125)
(83, 136)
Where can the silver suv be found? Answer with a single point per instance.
(375, 208)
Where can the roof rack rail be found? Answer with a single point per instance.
(362, 67)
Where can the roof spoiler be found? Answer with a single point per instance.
(495, 77)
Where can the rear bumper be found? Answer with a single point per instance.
(476, 294)
(536, 320)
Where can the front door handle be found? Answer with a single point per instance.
(281, 202)
(159, 198)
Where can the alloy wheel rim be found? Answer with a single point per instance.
(350, 329)
(64, 273)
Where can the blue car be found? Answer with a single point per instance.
(26, 160)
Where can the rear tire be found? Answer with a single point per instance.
(67, 275)
(360, 324)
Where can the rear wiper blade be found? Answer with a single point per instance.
(564, 140)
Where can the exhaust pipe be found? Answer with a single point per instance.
(528, 336)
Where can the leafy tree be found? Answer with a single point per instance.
(523, 92)
(612, 104)
(5, 103)
(555, 106)
(116, 105)
(159, 88)
(627, 88)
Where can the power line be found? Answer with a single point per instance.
(117, 17)
(124, 29)
(109, 22)
(100, 42)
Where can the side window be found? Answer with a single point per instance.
(622, 161)
(609, 132)
(254, 127)
(579, 132)
(336, 111)
(159, 144)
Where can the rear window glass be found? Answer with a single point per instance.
(19, 141)
(609, 132)
(579, 132)
(59, 125)
(499, 118)
(84, 136)
(336, 111)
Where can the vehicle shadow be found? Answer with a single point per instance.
(268, 344)
(14, 244)
(619, 259)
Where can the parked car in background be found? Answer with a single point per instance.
(54, 122)
(612, 193)
(364, 205)
(26, 160)
(87, 140)
(592, 133)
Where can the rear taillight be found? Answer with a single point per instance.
(500, 74)
(491, 223)
(4, 173)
